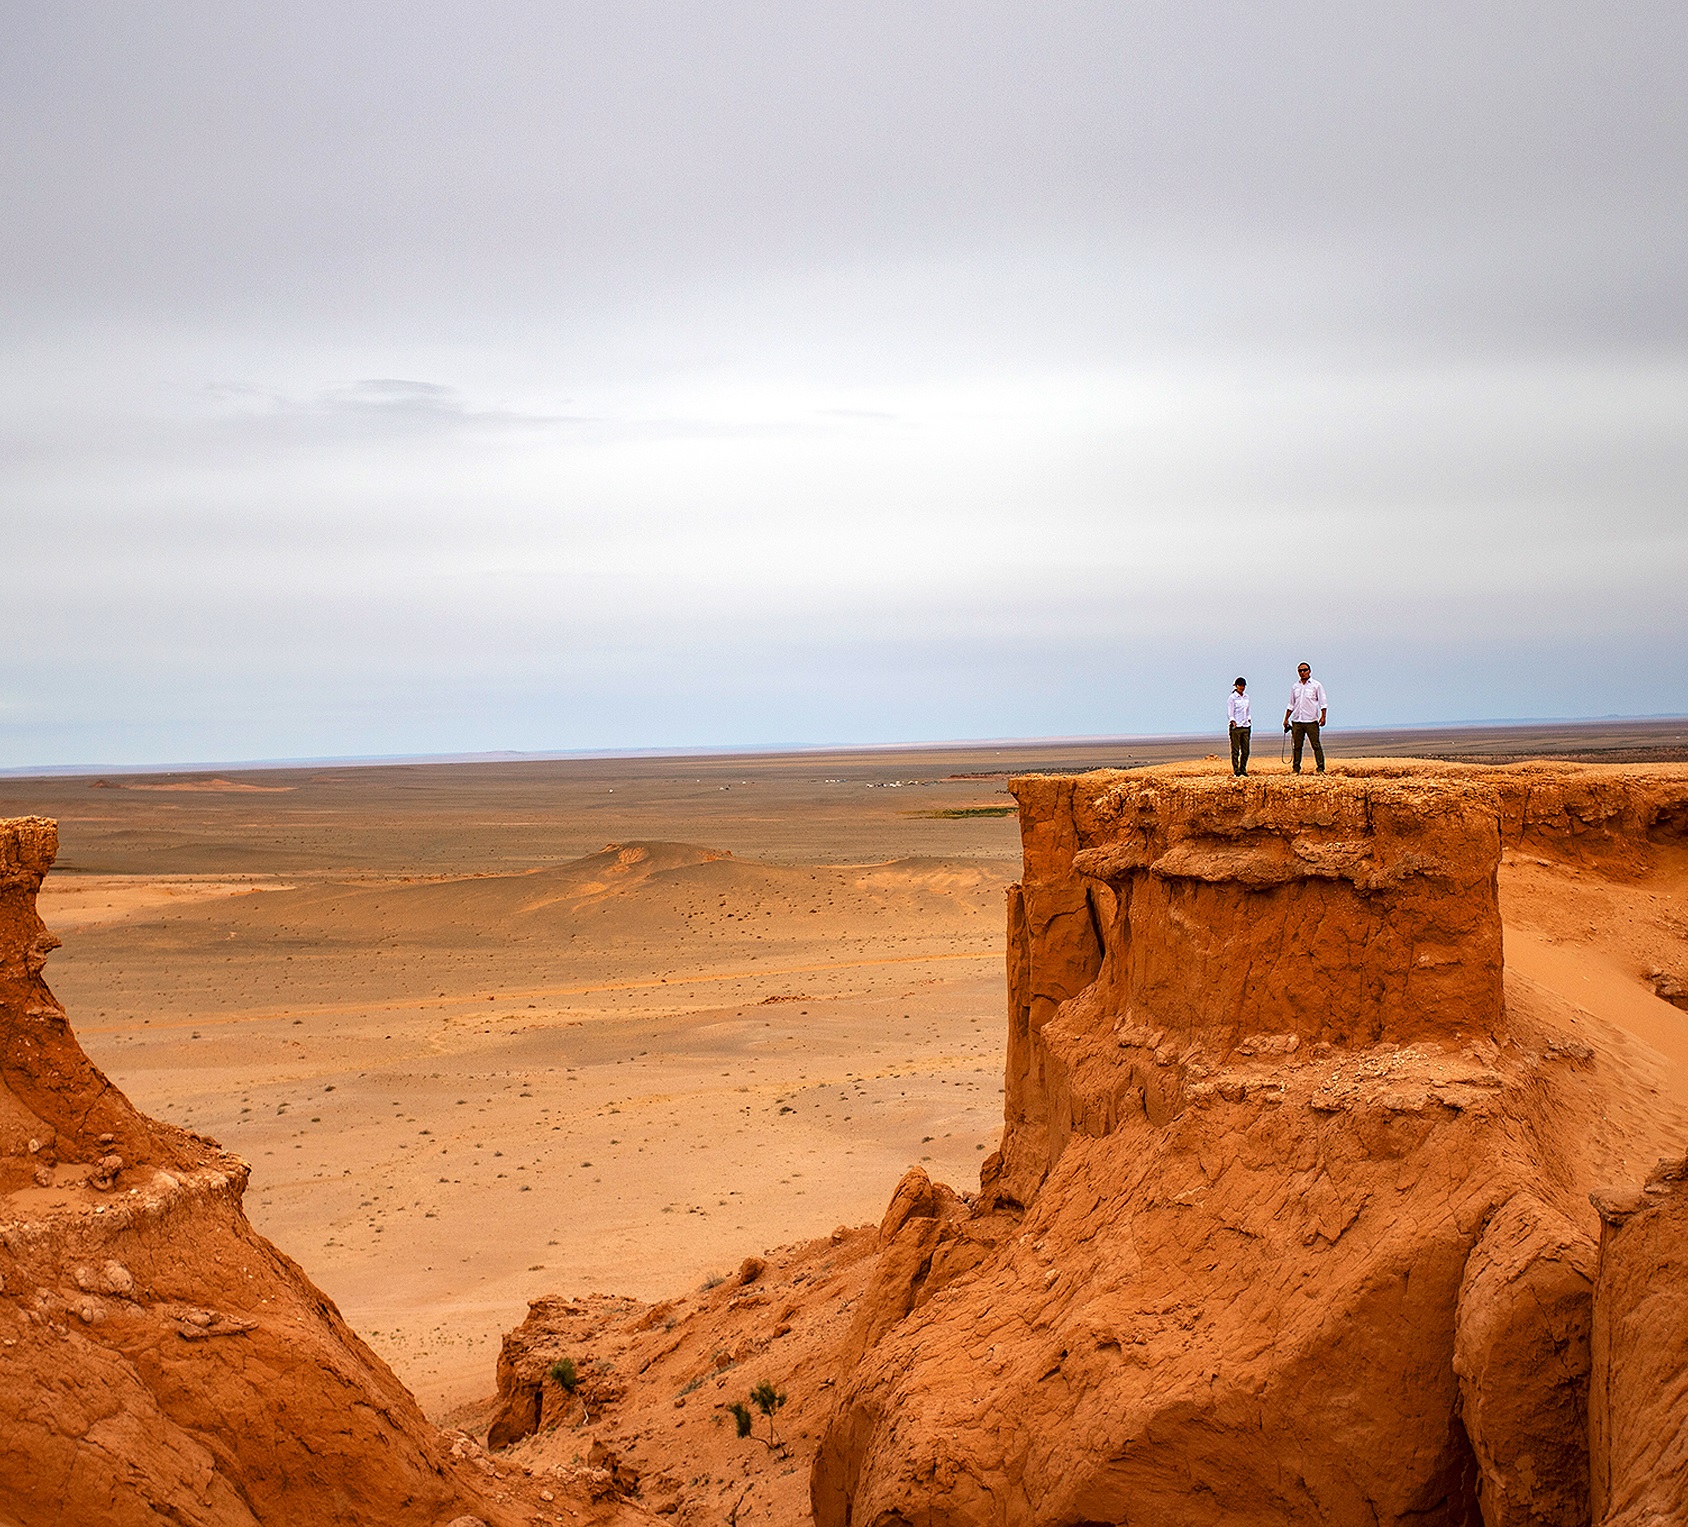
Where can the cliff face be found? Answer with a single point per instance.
(162, 1361)
(1289, 1223)
(1251, 919)
(1639, 1441)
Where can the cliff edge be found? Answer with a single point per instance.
(1291, 1221)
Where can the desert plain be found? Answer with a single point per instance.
(492, 1030)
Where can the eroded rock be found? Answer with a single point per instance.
(1521, 1350)
(1638, 1437)
(1271, 1156)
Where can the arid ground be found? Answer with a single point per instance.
(492, 1030)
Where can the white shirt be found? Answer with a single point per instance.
(1237, 709)
(1306, 700)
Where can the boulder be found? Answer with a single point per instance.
(1521, 1351)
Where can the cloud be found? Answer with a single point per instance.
(380, 406)
(732, 374)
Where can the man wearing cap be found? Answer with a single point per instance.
(1306, 714)
(1237, 708)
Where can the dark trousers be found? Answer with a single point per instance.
(1307, 731)
(1239, 748)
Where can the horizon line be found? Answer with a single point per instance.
(767, 750)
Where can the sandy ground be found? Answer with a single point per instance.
(475, 1056)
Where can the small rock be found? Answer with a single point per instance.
(198, 1317)
(751, 1269)
(1670, 988)
(466, 1521)
(105, 1171)
(115, 1278)
(44, 1176)
(106, 1140)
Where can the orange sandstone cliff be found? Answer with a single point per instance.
(1318, 1201)
(1639, 1414)
(159, 1360)
(1291, 1220)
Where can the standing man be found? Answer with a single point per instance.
(1306, 714)
(1237, 708)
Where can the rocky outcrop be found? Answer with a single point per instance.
(1638, 1418)
(162, 1361)
(1280, 1229)
(1521, 1351)
(653, 1383)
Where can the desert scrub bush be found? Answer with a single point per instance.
(564, 1373)
(766, 1399)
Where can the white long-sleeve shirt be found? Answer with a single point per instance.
(1237, 709)
(1306, 701)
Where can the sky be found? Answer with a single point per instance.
(421, 378)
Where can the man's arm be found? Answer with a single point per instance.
(1321, 705)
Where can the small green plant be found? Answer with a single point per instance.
(767, 1399)
(566, 1377)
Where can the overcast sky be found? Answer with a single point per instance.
(421, 378)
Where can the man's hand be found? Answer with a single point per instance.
(1321, 715)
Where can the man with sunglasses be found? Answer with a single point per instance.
(1306, 714)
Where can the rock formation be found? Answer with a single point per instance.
(1298, 1217)
(1290, 1221)
(162, 1361)
(1639, 1419)
(653, 1383)
(1521, 1351)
